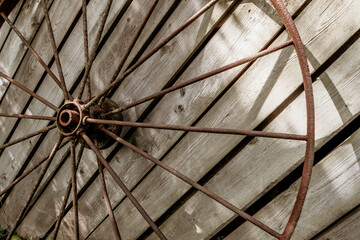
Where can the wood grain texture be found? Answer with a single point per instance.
(346, 229)
(5, 28)
(156, 188)
(266, 161)
(333, 192)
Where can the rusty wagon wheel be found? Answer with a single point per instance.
(96, 122)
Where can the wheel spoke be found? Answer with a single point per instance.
(74, 190)
(86, 44)
(27, 172)
(33, 191)
(88, 65)
(194, 184)
(25, 89)
(199, 129)
(66, 196)
(11, 115)
(47, 69)
(151, 53)
(56, 53)
(202, 77)
(134, 40)
(107, 200)
(122, 186)
(46, 129)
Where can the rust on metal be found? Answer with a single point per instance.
(6, 6)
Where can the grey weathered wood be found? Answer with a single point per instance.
(5, 28)
(157, 142)
(13, 51)
(333, 192)
(346, 229)
(48, 88)
(183, 12)
(103, 68)
(262, 163)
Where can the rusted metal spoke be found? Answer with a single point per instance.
(46, 129)
(122, 186)
(66, 197)
(88, 65)
(194, 184)
(27, 172)
(107, 200)
(151, 53)
(74, 190)
(25, 89)
(11, 115)
(199, 129)
(134, 40)
(86, 45)
(20, 218)
(7, 7)
(203, 76)
(47, 69)
(67, 95)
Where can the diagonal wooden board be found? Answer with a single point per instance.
(333, 192)
(92, 216)
(346, 229)
(90, 166)
(164, 140)
(5, 28)
(48, 86)
(262, 163)
(163, 190)
(13, 49)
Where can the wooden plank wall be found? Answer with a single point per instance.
(258, 175)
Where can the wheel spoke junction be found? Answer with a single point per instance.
(97, 122)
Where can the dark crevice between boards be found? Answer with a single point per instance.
(42, 136)
(335, 223)
(290, 179)
(61, 45)
(14, 21)
(173, 79)
(319, 154)
(23, 57)
(25, 54)
(246, 140)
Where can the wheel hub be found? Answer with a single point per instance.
(71, 120)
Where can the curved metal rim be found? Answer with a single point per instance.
(7, 6)
(309, 154)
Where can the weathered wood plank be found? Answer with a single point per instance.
(346, 229)
(5, 28)
(13, 51)
(51, 91)
(262, 163)
(103, 68)
(157, 142)
(183, 12)
(333, 192)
